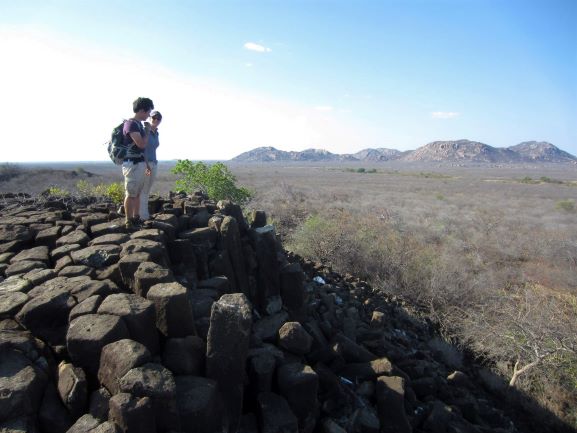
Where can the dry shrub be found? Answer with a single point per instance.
(493, 311)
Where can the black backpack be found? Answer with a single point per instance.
(117, 148)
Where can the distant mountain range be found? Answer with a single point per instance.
(437, 151)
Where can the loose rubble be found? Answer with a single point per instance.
(202, 323)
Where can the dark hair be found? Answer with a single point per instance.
(142, 104)
(156, 115)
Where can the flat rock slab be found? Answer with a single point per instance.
(88, 334)
(97, 256)
(15, 284)
(11, 302)
(11, 233)
(64, 250)
(75, 237)
(115, 226)
(112, 238)
(150, 234)
(76, 271)
(38, 254)
(85, 289)
(23, 267)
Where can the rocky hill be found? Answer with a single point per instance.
(201, 322)
(461, 151)
(542, 151)
(458, 151)
(380, 154)
(267, 154)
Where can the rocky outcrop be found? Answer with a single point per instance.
(206, 325)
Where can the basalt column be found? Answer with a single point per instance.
(227, 347)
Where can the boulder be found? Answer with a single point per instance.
(138, 314)
(173, 311)
(72, 388)
(157, 383)
(148, 274)
(22, 385)
(87, 336)
(117, 359)
(294, 338)
(132, 414)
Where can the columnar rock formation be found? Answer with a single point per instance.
(202, 323)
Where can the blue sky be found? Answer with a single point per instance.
(229, 76)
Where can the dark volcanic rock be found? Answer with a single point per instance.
(88, 334)
(119, 358)
(227, 347)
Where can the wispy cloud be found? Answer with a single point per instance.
(251, 46)
(444, 114)
(324, 108)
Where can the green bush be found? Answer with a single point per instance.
(57, 192)
(566, 205)
(113, 191)
(360, 170)
(216, 180)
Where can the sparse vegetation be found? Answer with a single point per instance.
(8, 171)
(113, 191)
(494, 267)
(56, 191)
(566, 205)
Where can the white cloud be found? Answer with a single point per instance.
(324, 108)
(248, 65)
(251, 46)
(80, 93)
(444, 114)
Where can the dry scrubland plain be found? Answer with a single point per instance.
(488, 253)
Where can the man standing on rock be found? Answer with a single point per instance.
(135, 166)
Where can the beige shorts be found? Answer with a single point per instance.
(133, 177)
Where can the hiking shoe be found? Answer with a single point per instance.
(129, 225)
(134, 223)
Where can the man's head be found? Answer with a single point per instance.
(142, 108)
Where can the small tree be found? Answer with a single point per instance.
(216, 180)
